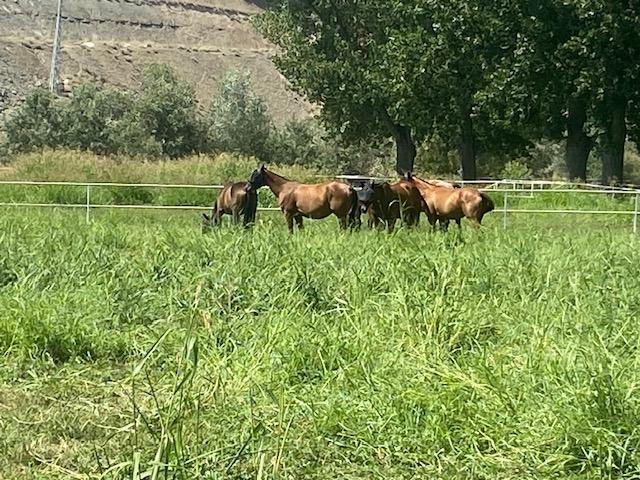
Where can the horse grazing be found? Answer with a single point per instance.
(235, 199)
(445, 203)
(388, 202)
(298, 200)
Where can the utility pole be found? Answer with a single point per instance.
(53, 74)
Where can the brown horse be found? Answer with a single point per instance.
(444, 204)
(388, 202)
(299, 200)
(235, 199)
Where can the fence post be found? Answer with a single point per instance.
(88, 201)
(504, 212)
(635, 215)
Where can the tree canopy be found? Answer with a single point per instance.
(483, 75)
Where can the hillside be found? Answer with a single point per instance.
(110, 41)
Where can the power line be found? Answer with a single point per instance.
(53, 74)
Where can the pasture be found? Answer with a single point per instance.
(135, 347)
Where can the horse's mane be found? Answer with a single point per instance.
(276, 175)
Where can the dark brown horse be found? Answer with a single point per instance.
(444, 203)
(235, 199)
(298, 200)
(388, 202)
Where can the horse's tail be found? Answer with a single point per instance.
(250, 207)
(487, 203)
(354, 211)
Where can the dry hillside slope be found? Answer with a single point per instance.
(110, 41)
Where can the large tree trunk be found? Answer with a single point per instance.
(468, 148)
(579, 144)
(613, 142)
(405, 150)
(405, 146)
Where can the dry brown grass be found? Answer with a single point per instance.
(61, 165)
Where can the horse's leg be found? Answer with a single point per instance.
(217, 218)
(236, 216)
(289, 217)
(342, 221)
(299, 222)
(433, 220)
(392, 225)
(459, 223)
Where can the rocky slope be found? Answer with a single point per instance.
(110, 41)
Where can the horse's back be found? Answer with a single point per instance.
(317, 200)
(406, 192)
(233, 196)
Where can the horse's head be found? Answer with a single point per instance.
(206, 222)
(257, 178)
(367, 194)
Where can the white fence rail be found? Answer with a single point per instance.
(513, 188)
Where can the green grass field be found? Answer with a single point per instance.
(136, 347)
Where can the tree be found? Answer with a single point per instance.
(400, 68)
(332, 54)
(238, 120)
(168, 109)
(576, 70)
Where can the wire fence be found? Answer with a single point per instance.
(509, 189)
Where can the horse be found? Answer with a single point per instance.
(316, 201)
(388, 202)
(444, 204)
(235, 199)
(444, 222)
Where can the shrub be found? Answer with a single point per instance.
(168, 110)
(89, 118)
(238, 121)
(130, 137)
(516, 170)
(36, 124)
(306, 143)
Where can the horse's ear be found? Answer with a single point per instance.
(205, 216)
(263, 167)
(408, 176)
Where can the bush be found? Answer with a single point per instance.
(306, 143)
(515, 170)
(168, 110)
(36, 124)
(90, 116)
(130, 137)
(238, 121)
(300, 142)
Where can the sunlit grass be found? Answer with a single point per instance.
(136, 345)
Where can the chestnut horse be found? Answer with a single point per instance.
(235, 199)
(388, 202)
(444, 204)
(298, 200)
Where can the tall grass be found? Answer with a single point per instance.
(135, 347)
(206, 171)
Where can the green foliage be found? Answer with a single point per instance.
(92, 117)
(167, 108)
(36, 124)
(516, 171)
(238, 121)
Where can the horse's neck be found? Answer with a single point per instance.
(275, 182)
